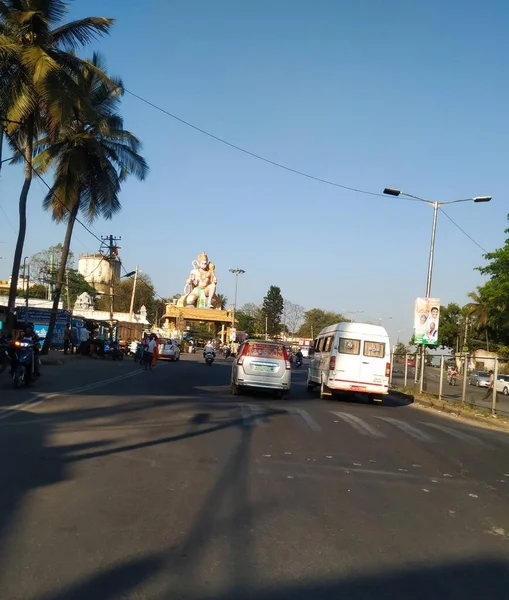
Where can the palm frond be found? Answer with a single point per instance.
(79, 33)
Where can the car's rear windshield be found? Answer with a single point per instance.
(261, 350)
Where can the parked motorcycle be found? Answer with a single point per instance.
(209, 358)
(114, 352)
(22, 362)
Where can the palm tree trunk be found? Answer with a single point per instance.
(61, 276)
(487, 342)
(22, 223)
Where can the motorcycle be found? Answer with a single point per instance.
(209, 358)
(22, 362)
(298, 363)
(114, 351)
(451, 379)
(5, 359)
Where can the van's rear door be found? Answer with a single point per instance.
(374, 361)
(348, 361)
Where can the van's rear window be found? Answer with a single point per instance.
(265, 351)
(375, 349)
(347, 346)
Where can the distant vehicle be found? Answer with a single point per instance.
(411, 362)
(503, 384)
(169, 350)
(262, 364)
(351, 357)
(479, 378)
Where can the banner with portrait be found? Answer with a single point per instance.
(426, 320)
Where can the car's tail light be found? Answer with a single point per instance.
(240, 360)
(287, 362)
(388, 369)
(332, 363)
(17, 343)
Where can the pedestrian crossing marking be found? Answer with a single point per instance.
(408, 429)
(302, 415)
(460, 435)
(358, 424)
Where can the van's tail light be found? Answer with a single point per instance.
(240, 360)
(287, 362)
(332, 363)
(388, 369)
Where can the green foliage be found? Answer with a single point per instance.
(77, 285)
(399, 352)
(201, 332)
(450, 326)
(316, 319)
(272, 309)
(38, 290)
(223, 301)
(144, 296)
(45, 264)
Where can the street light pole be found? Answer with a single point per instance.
(131, 307)
(236, 272)
(436, 206)
(353, 313)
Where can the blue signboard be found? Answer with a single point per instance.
(40, 315)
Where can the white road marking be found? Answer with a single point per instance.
(358, 424)
(308, 419)
(42, 396)
(408, 429)
(460, 435)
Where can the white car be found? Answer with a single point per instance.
(169, 350)
(503, 384)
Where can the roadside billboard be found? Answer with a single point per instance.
(426, 320)
(40, 318)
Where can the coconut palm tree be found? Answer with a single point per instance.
(92, 155)
(480, 310)
(36, 84)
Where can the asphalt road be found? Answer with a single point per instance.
(161, 485)
(475, 396)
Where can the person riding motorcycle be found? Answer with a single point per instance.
(209, 347)
(29, 335)
(299, 355)
(452, 373)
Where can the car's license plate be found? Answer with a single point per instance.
(265, 368)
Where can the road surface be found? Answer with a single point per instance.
(142, 485)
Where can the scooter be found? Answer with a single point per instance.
(209, 358)
(298, 363)
(22, 362)
(451, 379)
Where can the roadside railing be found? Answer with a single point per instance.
(473, 390)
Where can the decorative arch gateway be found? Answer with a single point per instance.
(199, 303)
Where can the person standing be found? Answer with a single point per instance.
(148, 354)
(67, 338)
(155, 353)
(74, 339)
(143, 347)
(490, 386)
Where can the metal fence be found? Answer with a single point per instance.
(472, 389)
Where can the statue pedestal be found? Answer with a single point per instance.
(177, 316)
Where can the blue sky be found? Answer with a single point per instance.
(365, 93)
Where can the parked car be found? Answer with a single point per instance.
(262, 364)
(169, 350)
(503, 384)
(479, 378)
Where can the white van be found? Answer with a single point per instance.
(351, 357)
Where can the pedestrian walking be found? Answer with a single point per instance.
(143, 347)
(490, 386)
(74, 339)
(67, 338)
(155, 353)
(148, 354)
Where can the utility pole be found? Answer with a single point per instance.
(111, 242)
(131, 308)
(27, 280)
(236, 272)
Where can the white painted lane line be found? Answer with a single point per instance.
(36, 399)
(460, 435)
(300, 414)
(408, 429)
(358, 424)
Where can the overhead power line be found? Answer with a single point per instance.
(253, 154)
(274, 163)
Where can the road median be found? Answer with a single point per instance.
(454, 409)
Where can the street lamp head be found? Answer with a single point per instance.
(237, 271)
(392, 192)
(482, 198)
(130, 274)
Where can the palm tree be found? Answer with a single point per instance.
(223, 301)
(36, 85)
(480, 310)
(92, 155)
